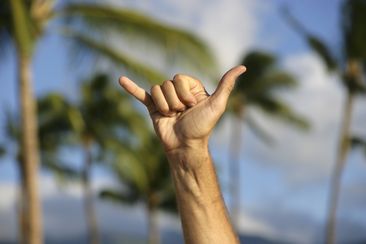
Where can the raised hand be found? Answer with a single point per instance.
(183, 113)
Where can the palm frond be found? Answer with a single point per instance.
(117, 117)
(353, 28)
(2, 151)
(322, 50)
(143, 170)
(261, 133)
(60, 169)
(263, 77)
(258, 64)
(12, 127)
(279, 79)
(131, 171)
(168, 200)
(314, 42)
(282, 111)
(118, 196)
(131, 23)
(358, 142)
(269, 83)
(5, 28)
(22, 26)
(55, 127)
(90, 46)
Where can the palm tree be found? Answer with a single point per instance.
(95, 121)
(62, 124)
(257, 89)
(2, 150)
(358, 142)
(24, 22)
(12, 131)
(143, 172)
(349, 67)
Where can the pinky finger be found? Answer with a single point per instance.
(136, 91)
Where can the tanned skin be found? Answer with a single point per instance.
(184, 115)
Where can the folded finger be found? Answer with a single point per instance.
(159, 100)
(183, 86)
(171, 97)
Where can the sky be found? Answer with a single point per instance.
(284, 186)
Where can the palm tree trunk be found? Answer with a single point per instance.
(234, 167)
(22, 230)
(154, 235)
(335, 184)
(29, 150)
(89, 208)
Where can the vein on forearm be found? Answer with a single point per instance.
(201, 206)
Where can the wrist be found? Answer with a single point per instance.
(194, 177)
(189, 169)
(191, 146)
(188, 157)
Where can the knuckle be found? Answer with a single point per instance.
(178, 77)
(186, 98)
(177, 107)
(181, 78)
(167, 86)
(166, 83)
(164, 109)
(154, 88)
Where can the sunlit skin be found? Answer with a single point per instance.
(184, 115)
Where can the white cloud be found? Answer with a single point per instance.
(309, 155)
(229, 27)
(288, 225)
(8, 223)
(251, 225)
(320, 98)
(359, 120)
(8, 195)
(303, 157)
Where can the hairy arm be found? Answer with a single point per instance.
(202, 210)
(184, 115)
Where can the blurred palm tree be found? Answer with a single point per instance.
(257, 89)
(144, 175)
(64, 125)
(349, 65)
(92, 123)
(12, 132)
(24, 22)
(2, 150)
(359, 142)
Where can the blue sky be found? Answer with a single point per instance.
(284, 187)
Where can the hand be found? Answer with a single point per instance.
(183, 113)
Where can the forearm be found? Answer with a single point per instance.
(203, 213)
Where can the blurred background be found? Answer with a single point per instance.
(290, 151)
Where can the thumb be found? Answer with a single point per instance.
(226, 84)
